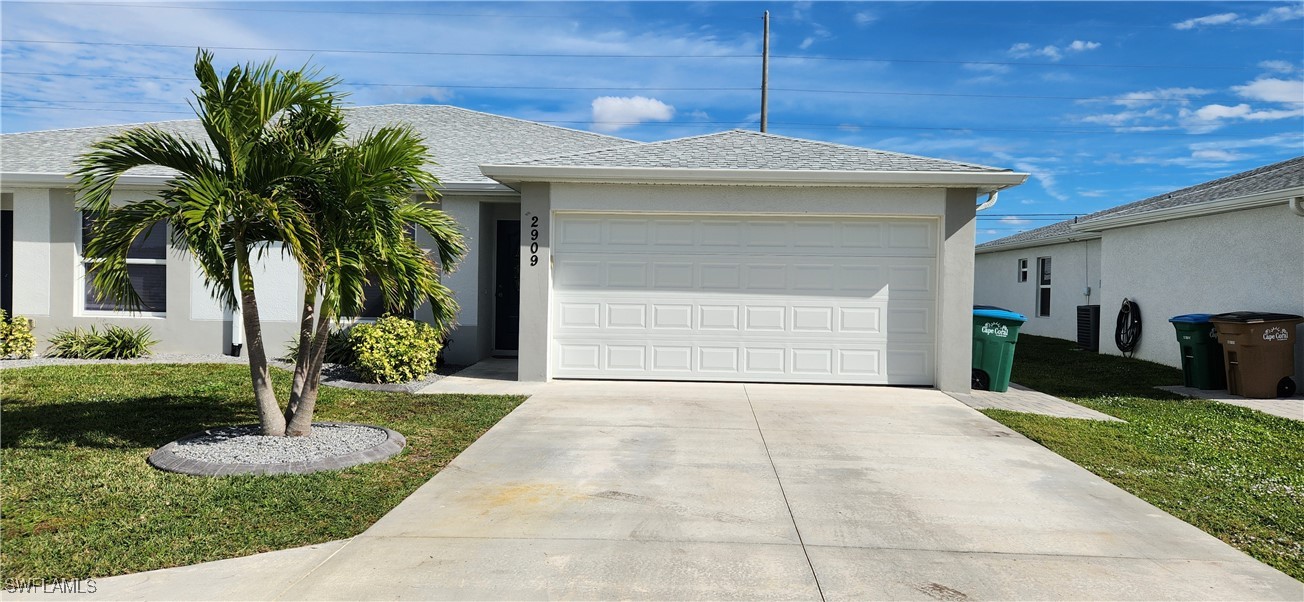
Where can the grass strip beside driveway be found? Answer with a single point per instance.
(1234, 472)
(79, 500)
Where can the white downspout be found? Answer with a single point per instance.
(1297, 205)
(991, 200)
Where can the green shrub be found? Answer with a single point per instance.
(114, 342)
(16, 339)
(339, 350)
(394, 350)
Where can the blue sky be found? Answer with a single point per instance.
(1103, 103)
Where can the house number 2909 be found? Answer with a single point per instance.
(534, 240)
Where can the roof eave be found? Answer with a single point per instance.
(1058, 239)
(22, 179)
(512, 175)
(1252, 201)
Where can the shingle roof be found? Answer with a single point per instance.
(1278, 176)
(740, 150)
(460, 140)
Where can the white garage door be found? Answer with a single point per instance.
(741, 298)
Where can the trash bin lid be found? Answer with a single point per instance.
(1250, 317)
(987, 311)
(1191, 318)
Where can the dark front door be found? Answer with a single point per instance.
(7, 262)
(507, 290)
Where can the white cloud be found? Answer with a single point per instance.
(1279, 14)
(1271, 89)
(1273, 15)
(1050, 51)
(1217, 111)
(1218, 19)
(1278, 66)
(611, 113)
(865, 18)
(806, 43)
(1125, 117)
(1010, 220)
(1143, 98)
(1216, 155)
(1211, 117)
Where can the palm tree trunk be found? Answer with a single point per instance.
(269, 411)
(304, 356)
(300, 424)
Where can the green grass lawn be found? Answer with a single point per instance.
(1233, 472)
(79, 500)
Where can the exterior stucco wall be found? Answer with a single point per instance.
(953, 209)
(48, 278)
(1075, 272)
(472, 282)
(1245, 260)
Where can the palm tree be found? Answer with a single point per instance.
(233, 194)
(363, 211)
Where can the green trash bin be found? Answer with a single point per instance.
(995, 331)
(1202, 355)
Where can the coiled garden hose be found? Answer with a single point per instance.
(1127, 331)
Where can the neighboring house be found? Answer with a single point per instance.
(736, 256)
(1235, 243)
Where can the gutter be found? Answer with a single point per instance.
(1039, 242)
(985, 182)
(1252, 201)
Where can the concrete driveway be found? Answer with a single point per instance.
(601, 490)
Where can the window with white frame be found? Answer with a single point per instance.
(146, 267)
(1043, 287)
(1023, 270)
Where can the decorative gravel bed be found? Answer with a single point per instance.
(241, 450)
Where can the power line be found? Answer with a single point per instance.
(313, 12)
(1006, 24)
(678, 89)
(650, 56)
(735, 123)
(402, 52)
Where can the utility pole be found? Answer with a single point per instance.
(765, 73)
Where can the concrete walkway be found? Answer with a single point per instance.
(629, 490)
(1289, 407)
(492, 376)
(1022, 399)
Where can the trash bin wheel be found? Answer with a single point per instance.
(1285, 387)
(983, 382)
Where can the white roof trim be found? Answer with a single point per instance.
(1262, 199)
(155, 181)
(1040, 242)
(984, 181)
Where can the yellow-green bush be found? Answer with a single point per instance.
(394, 350)
(16, 338)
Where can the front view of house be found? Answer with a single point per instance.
(736, 256)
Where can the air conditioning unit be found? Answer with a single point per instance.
(1089, 327)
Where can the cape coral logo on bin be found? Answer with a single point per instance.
(1276, 333)
(997, 329)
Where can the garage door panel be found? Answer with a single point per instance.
(903, 277)
(745, 298)
(776, 235)
(746, 316)
(772, 360)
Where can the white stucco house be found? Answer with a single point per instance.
(736, 256)
(1231, 244)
